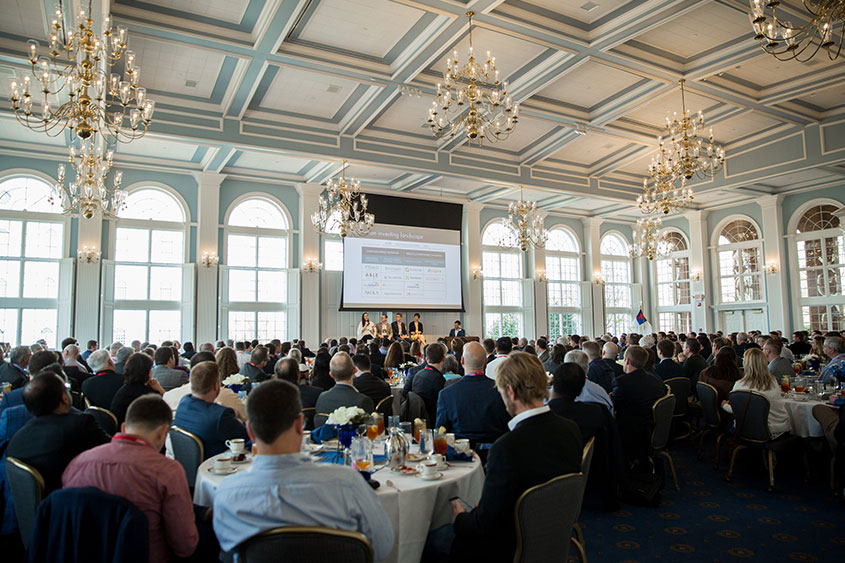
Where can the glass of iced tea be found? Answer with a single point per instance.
(796, 368)
(799, 384)
(784, 385)
(419, 426)
(379, 422)
(372, 431)
(440, 444)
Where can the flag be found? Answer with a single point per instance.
(641, 318)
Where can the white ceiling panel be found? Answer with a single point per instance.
(809, 175)
(225, 10)
(589, 148)
(585, 204)
(270, 162)
(575, 8)
(158, 148)
(639, 165)
(461, 185)
(307, 93)
(12, 130)
(372, 173)
(766, 70)
(826, 99)
(741, 126)
(510, 53)
(407, 113)
(655, 112)
(589, 84)
(370, 27)
(704, 28)
(26, 18)
(173, 67)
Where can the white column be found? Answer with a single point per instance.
(592, 246)
(700, 271)
(87, 294)
(541, 299)
(641, 266)
(775, 253)
(473, 318)
(208, 227)
(309, 247)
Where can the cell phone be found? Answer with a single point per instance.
(462, 502)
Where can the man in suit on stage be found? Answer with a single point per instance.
(457, 331)
(400, 331)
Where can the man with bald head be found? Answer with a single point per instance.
(609, 354)
(343, 394)
(472, 407)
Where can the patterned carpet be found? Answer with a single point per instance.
(713, 520)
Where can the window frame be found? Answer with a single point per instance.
(557, 313)
(717, 277)
(614, 312)
(674, 311)
(501, 310)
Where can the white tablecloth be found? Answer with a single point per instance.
(414, 506)
(801, 417)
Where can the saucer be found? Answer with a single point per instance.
(224, 472)
(247, 459)
(434, 477)
(443, 466)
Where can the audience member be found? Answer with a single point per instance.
(102, 387)
(834, 348)
(168, 378)
(757, 378)
(343, 394)
(288, 370)
(599, 372)
(723, 373)
(14, 371)
(592, 392)
(504, 345)
(778, 365)
(254, 367)
(137, 381)
(428, 381)
(370, 385)
(667, 368)
(610, 352)
(320, 373)
(90, 349)
(693, 361)
(555, 358)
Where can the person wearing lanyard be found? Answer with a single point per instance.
(504, 345)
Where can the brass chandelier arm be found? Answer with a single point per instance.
(785, 41)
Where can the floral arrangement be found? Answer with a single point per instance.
(407, 365)
(811, 357)
(343, 416)
(235, 379)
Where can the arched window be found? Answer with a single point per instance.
(32, 232)
(149, 268)
(257, 257)
(333, 245)
(616, 272)
(674, 310)
(502, 267)
(563, 270)
(740, 269)
(820, 248)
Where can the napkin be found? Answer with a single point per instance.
(323, 433)
(453, 455)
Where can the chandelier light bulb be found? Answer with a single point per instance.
(344, 203)
(785, 40)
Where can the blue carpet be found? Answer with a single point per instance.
(710, 519)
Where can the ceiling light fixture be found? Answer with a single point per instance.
(471, 101)
(88, 193)
(786, 41)
(344, 203)
(524, 226)
(649, 240)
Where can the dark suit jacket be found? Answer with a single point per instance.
(373, 387)
(253, 373)
(614, 365)
(50, 442)
(12, 399)
(213, 423)
(415, 327)
(800, 348)
(101, 389)
(377, 358)
(472, 408)
(124, 397)
(693, 365)
(540, 448)
(588, 416)
(10, 373)
(76, 377)
(667, 369)
(341, 395)
(426, 383)
(398, 329)
(602, 374)
(459, 332)
(633, 396)
(308, 395)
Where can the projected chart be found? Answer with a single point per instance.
(387, 273)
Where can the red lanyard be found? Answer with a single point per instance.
(130, 438)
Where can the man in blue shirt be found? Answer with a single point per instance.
(198, 413)
(284, 488)
(834, 348)
(457, 331)
(14, 371)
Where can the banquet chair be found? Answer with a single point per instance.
(413, 408)
(27, 486)
(586, 461)
(662, 413)
(708, 396)
(306, 544)
(309, 413)
(188, 450)
(545, 516)
(751, 412)
(105, 418)
(385, 406)
(680, 388)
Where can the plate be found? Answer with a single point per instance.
(434, 477)
(405, 470)
(247, 459)
(224, 472)
(415, 457)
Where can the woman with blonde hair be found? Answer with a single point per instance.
(416, 351)
(758, 379)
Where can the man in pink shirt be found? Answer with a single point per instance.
(131, 466)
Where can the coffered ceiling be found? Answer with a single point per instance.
(285, 89)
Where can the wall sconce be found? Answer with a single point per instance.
(771, 269)
(477, 274)
(209, 259)
(598, 279)
(696, 276)
(311, 266)
(89, 255)
(542, 277)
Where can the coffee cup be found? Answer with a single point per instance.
(450, 439)
(222, 464)
(439, 460)
(236, 446)
(462, 446)
(428, 469)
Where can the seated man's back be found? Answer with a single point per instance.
(343, 394)
(284, 488)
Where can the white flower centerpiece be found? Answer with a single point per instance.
(235, 381)
(346, 419)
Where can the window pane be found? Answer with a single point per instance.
(613, 245)
(242, 325)
(728, 290)
(129, 325)
(553, 268)
(834, 281)
(132, 245)
(242, 285)
(241, 251)
(165, 325)
(168, 247)
(490, 264)
(512, 324)
(41, 280)
(130, 282)
(492, 293)
(726, 263)
(10, 238)
(10, 273)
(165, 285)
(272, 286)
(273, 252)
(511, 294)
(37, 324)
(272, 325)
(333, 255)
(511, 266)
(257, 212)
(493, 324)
(27, 194)
(561, 241)
(9, 326)
(156, 205)
(564, 324)
(44, 240)
(497, 234)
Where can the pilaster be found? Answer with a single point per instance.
(309, 248)
(592, 245)
(208, 226)
(774, 272)
(473, 317)
(702, 298)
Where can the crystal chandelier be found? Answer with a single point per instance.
(779, 37)
(648, 239)
(344, 204)
(472, 101)
(688, 154)
(76, 88)
(661, 191)
(524, 226)
(88, 194)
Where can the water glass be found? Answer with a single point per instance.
(361, 451)
(405, 428)
(426, 441)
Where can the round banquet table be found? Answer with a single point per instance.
(801, 416)
(414, 506)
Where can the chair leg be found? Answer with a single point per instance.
(579, 534)
(733, 460)
(771, 459)
(700, 452)
(718, 447)
(668, 457)
(582, 554)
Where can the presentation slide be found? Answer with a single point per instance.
(405, 268)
